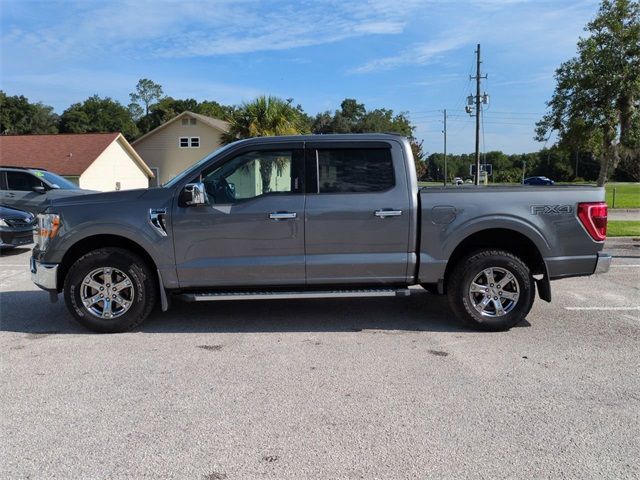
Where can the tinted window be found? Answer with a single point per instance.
(56, 180)
(251, 175)
(355, 170)
(22, 181)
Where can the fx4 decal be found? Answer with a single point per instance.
(551, 209)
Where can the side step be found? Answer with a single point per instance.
(219, 296)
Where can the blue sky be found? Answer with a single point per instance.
(412, 56)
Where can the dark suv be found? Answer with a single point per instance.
(30, 189)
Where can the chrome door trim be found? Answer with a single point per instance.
(282, 215)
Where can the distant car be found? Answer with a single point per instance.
(468, 180)
(30, 189)
(16, 228)
(458, 181)
(537, 181)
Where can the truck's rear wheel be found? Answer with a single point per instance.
(491, 290)
(110, 290)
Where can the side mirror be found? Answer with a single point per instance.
(193, 195)
(39, 189)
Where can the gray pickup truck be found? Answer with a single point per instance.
(313, 217)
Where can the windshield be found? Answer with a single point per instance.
(194, 168)
(56, 181)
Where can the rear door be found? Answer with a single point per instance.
(358, 213)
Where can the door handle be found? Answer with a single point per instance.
(10, 195)
(282, 215)
(387, 213)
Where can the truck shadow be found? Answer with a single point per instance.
(30, 312)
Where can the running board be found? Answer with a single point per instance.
(219, 296)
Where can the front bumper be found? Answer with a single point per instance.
(10, 238)
(603, 263)
(44, 275)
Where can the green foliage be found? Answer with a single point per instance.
(147, 91)
(622, 228)
(623, 195)
(353, 117)
(263, 117)
(18, 116)
(97, 114)
(595, 103)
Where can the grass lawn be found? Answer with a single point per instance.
(623, 228)
(627, 195)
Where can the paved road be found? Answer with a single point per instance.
(382, 388)
(623, 214)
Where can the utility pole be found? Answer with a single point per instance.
(524, 167)
(478, 101)
(445, 147)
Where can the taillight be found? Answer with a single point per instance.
(594, 219)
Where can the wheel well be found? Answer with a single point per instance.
(100, 241)
(503, 239)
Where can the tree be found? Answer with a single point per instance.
(97, 114)
(18, 116)
(146, 92)
(597, 92)
(264, 117)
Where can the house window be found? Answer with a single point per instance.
(192, 121)
(185, 121)
(189, 142)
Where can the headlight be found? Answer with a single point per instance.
(3, 223)
(48, 226)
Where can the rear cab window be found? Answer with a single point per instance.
(353, 170)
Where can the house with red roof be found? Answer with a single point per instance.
(95, 161)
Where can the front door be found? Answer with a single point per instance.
(20, 192)
(252, 232)
(358, 214)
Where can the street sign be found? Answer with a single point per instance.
(484, 167)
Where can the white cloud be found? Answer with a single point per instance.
(193, 28)
(418, 54)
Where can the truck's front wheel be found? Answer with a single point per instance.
(110, 290)
(491, 290)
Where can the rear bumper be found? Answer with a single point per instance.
(603, 263)
(44, 275)
(577, 266)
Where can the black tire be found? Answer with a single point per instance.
(141, 278)
(460, 296)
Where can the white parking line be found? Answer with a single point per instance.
(622, 309)
(13, 266)
(625, 266)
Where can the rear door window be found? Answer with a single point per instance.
(354, 170)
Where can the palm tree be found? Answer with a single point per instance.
(266, 116)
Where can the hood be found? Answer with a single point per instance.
(7, 213)
(86, 198)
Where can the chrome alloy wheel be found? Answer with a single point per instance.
(494, 292)
(107, 292)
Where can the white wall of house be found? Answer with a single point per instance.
(114, 165)
(162, 149)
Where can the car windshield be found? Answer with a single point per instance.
(195, 167)
(56, 181)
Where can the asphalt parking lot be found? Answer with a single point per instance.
(374, 388)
